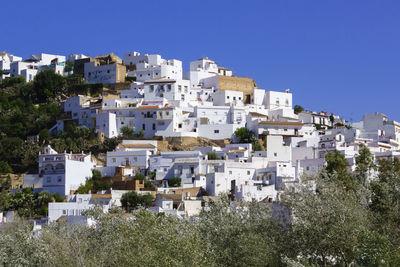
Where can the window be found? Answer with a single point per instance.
(134, 158)
(167, 113)
(154, 126)
(64, 212)
(59, 179)
(216, 131)
(230, 172)
(114, 160)
(248, 172)
(108, 71)
(227, 97)
(234, 98)
(48, 179)
(275, 154)
(191, 169)
(143, 127)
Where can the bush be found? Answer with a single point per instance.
(298, 109)
(139, 176)
(133, 200)
(174, 182)
(211, 155)
(127, 132)
(243, 135)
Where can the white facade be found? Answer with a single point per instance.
(274, 100)
(5, 63)
(77, 204)
(63, 172)
(101, 73)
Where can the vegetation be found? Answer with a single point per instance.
(129, 133)
(174, 182)
(29, 109)
(332, 118)
(244, 135)
(133, 200)
(333, 226)
(27, 203)
(69, 66)
(211, 155)
(94, 184)
(298, 109)
(139, 176)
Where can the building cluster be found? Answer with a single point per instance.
(208, 101)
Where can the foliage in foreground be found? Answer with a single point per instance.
(339, 219)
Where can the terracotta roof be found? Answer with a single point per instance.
(237, 151)
(281, 123)
(256, 114)
(136, 146)
(101, 196)
(145, 107)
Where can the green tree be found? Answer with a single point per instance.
(327, 223)
(69, 66)
(385, 199)
(127, 132)
(133, 200)
(47, 85)
(174, 182)
(140, 134)
(364, 164)
(23, 202)
(44, 136)
(243, 135)
(211, 155)
(240, 236)
(332, 118)
(298, 109)
(148, 184)
(94, 184)
(5, 168)
(139, 176)
(336, 167)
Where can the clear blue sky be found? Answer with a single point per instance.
(337, 56)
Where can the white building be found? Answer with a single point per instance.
(109, 73)
(63, 172)
(5, 63)
(77, 204)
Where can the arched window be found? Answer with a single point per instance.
(60, 166)
(48, 167)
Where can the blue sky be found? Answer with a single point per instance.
(337, 56)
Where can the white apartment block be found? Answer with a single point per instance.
(5, 64)
(77, 204)
(63, 172)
